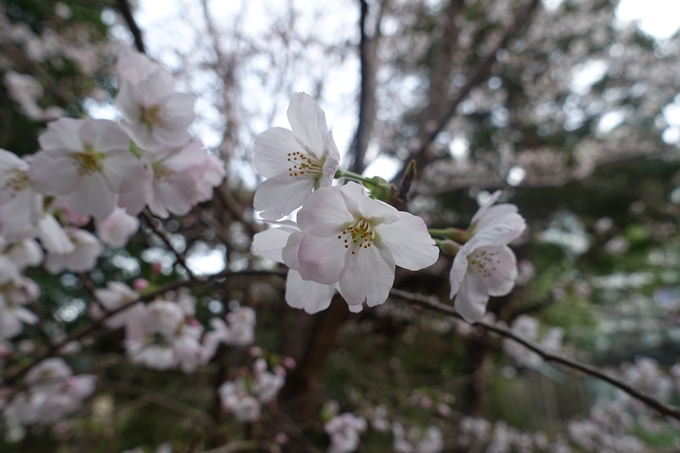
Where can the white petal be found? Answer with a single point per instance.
(93, 197)
(483, 208)
(472, 298)
(53, 236)
(310, 296)
(281, 195)
(54, 173)
(122, 170)
(270, 243)
(359, 204)
(63, 134)
(330, 167)
(367, 276)
(324, 213)
(321, 259)
(273, 149)
(290, 253)
(308, 122)
(409, 242)
(503, 271)
(458, 270)
(116, 229)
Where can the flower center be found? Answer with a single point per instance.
(304, 165)
(161, 173)
(16, 181)
(358, 235)
(152, 115)
(483, 261)
(88, 162)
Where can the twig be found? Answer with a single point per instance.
(155, 226)
(433, 304)
(124, 8)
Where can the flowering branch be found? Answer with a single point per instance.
(55, 349)
(153, 223)
(432, 303)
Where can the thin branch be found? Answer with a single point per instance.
(54, 349)
(432, 303)
(155, 226)
(476, 77)
(124, 8)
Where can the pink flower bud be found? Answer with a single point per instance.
(255, 351)
(289, 363)
(140, 284)
(156, 267)
(281, 438)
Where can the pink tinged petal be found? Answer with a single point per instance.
(53, 236)
(63, 134)
(310, 296)
(502, 270)
(308, 122)
(458, 270)
(281, 195)
(116, 229)
(291, 252)
(270, 243)
(105, 136)
(330, 167)
(134, 67)
(324, 213)
(359, 204)
(128, 102)
(472, 297)
(157, 88)
(367, 276)
(121, 170)
(273, 151)
(409, 242)
(93, 197)
(54, 173)
(321, 259)
(139, 191)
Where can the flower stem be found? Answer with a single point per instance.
(351, 175)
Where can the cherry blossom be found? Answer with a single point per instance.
(116, 228)
(83, 258)
(20, 205)
(13, 314)
(354, 241)
(86, 161)
(113, 297)
(310, 296)
(154, 114)
(53, 391)
(344, 430)
(485, 266)
(296, 162)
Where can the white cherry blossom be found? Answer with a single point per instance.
(20, 205)
(354, 241)
(113, 297)
(154, 114)
(13, 314)
(485, 266)
(83, 258)
(295, 162)
(344, 430)
(310, 296)
(117, 227)
(86, 161)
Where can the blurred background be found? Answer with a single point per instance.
(571, 108)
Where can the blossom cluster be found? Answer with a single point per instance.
(102, 170)
(52, 392)
(245, 396)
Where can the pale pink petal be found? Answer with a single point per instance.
(321, 259)
(367, 276)
(281, 195)
(291, 251)
(483, 208)
(270, 243)
(324, 213)
(53, 236)
(502, 270)
(93, 197)
(330, 167)
(104, 136)
(116, 229)
(54, 173)
(310, 296)
(273, 151)
(63, 134)
(308, 122)
(411, 245)
(122, 170)
(360, 205)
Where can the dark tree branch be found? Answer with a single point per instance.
(155, 226)
(368, 58)
(432, 303)
(124, 8)
(478, 75)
